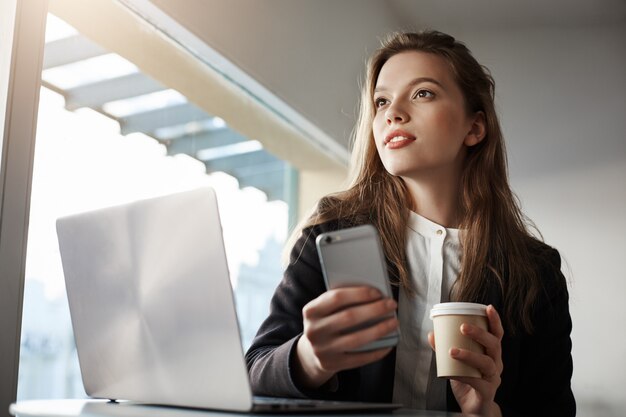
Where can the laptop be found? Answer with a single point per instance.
(153, 311)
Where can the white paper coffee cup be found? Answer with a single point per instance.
(447, 320)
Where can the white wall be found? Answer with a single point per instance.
(562, 100)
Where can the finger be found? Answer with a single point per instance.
(431, 340)
(320, 331)
(337, 361)
(359, 315)
(354, 360)
(346, 320)
(351, 317)
(491, 343)
(495, 324)
(485, 364)
(478, 384)
(357, 359)
(360, 338)
(339, 298)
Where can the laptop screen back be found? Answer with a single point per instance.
(151, 303)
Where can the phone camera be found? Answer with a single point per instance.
(328, 239)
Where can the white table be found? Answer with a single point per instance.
(102, 408)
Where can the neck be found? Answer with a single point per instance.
(436, 197)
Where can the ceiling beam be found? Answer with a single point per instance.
(191, 144)
(261, 171)
(69, 50)
(150, 121)
(268, 177)
(166, 60)
(244, 164)
(271, 182)
(119, 88)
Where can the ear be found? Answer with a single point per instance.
(477, 131)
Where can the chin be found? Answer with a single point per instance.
(398, 171)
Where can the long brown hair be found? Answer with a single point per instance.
(496, 242)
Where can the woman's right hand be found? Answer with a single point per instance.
(324, 347)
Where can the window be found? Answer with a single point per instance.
(108, 134)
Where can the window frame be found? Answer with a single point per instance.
(21, 78)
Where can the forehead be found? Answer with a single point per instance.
(406, 66)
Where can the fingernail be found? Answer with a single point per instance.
(374, 293)
(390, 304)
(465, 329)
(454, 352)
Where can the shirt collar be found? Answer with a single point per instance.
(430, 229)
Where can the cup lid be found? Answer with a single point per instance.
(465, 309)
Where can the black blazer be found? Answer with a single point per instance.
(537, 367)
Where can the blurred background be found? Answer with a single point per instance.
(258, 99)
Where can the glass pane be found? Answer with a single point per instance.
(128, 137)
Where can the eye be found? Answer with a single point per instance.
(424, 94)
(379, 102)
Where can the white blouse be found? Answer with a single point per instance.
(434, 255)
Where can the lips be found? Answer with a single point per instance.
(398, 139)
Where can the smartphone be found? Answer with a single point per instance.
(354, 257)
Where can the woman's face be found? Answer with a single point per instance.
(421, 126)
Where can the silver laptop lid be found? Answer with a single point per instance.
(151, 304)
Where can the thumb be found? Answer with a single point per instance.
(431, 340)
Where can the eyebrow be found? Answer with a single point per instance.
(414, 82)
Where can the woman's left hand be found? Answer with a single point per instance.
(476, 395)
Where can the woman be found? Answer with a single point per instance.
(429, 172)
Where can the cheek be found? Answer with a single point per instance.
(451, 123)
(443, 118)
(378, 129)
(377, 125)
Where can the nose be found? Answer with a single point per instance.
(396, 114)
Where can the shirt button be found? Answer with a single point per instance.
(439, 232)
